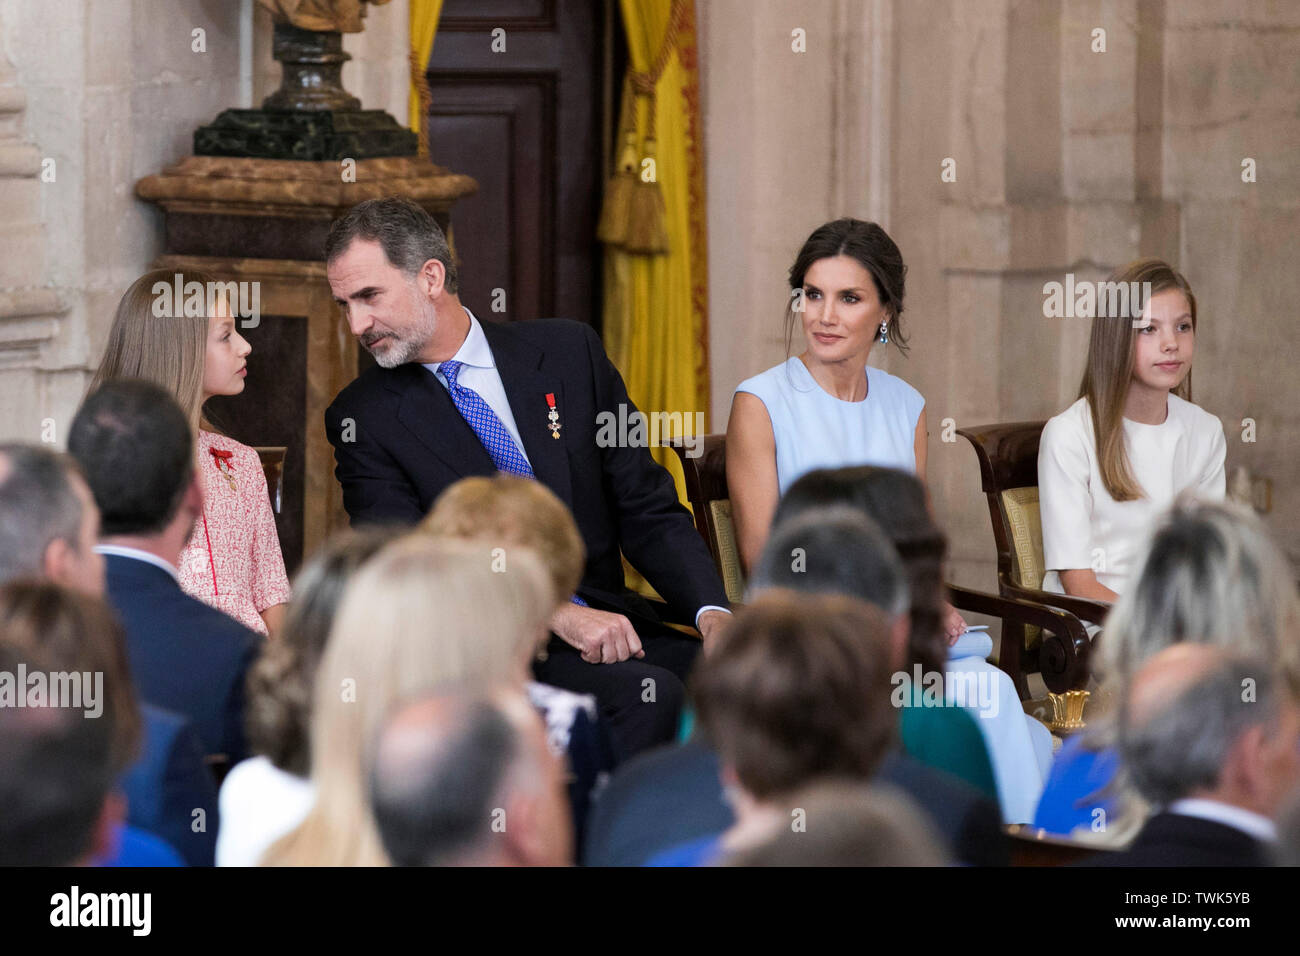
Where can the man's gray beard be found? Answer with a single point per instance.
(402, 351)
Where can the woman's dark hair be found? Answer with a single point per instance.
(280, 682)
(896, 501)
(874, 250)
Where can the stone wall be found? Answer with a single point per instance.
(1067, 160)
(111, 91)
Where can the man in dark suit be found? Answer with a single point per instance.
(673, 795)
(453, 397)
(1211, 739)
(49, 526)
(135, 447)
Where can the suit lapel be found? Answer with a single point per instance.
(427, 412)
(526, 389)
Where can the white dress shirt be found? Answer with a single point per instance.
(1239, 818)
(136, 554)
(480, 374)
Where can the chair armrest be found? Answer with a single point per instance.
(1063, 656)
(1019, 610)
(1094, 612)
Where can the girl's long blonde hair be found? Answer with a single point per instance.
(169, 350)
(1109, 371)
(423, 613)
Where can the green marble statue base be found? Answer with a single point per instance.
(305, 134)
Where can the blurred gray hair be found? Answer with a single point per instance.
(1183, 746)
(836, 549)
(1211, 575)
(38, 504)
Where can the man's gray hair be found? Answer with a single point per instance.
(38, 504)
(835, 549)
(1210, 574)
(1183, 746)
(406, 232)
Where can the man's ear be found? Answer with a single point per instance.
(54, 563)
(103, 838)
(526, 844)
(1246, 767)
(899, 631)
(433, 278)
(194, 494)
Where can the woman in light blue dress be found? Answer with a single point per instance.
(826, 408)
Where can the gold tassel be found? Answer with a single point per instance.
(646, 232)
(616, 210)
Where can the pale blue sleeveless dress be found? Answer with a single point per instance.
(814, 429)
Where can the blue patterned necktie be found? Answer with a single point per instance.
(479, 416)
(491, 432)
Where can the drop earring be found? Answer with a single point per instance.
(884, 332)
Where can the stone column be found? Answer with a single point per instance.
(29, 309)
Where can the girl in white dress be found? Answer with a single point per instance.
(1121, 454)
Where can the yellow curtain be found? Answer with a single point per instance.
(656, 306)
(424, 27)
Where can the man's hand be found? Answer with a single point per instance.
(711, 624)
(600, 636)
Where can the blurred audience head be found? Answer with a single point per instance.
(896, 502)
(63, 751)
(797, 689)
(846, 823)
(1205, 722)
(506, 511)
(467, 779)
(1211, 575)
(423, 613)
(49, 523)
(280, 682)
(136, 449)
(78, 634)
(838, 550)
(1289, 831)
(56, 779)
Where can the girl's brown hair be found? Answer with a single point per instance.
(169, 350)
(1109, 369)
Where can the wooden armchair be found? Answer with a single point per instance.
(272, 458)
(1008, 458)
(706, 489)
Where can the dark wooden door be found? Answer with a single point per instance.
(520, 102)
